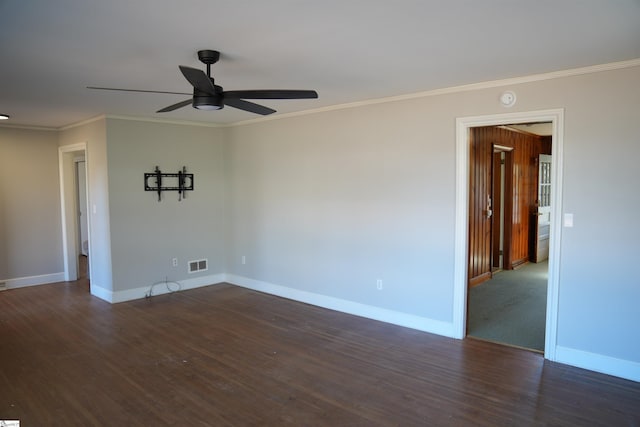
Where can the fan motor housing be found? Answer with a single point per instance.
(206, 101)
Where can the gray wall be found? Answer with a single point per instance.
(599, 283)
(94, 135)
(331, 203)
(146, 234)
(30, 226)
(328, 203)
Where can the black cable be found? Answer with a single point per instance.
(166, 282)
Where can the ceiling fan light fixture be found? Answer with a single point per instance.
(4, 117)
(208, 107)
(207, 102)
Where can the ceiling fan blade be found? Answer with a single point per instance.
(249, 106)
(271, 94)
(175, 106)
(198, 79)
(136, 90)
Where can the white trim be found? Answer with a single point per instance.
(463, 125)
(345, 306)
(100, 292)
(599, 363)
(461, 232)
(83, 122)
(141, 291)
(29, 127)
(167, 121)
(80, 146)
(44, 279)
(555, 230)
(497, 147)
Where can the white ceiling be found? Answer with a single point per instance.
(347, 50)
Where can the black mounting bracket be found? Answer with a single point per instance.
(185, 182)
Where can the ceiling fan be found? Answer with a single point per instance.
(209, 96)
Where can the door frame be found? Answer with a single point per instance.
(68, 207)
(463, 126)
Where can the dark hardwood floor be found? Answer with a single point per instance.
(224, 355)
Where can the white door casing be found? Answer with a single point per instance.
(463, 126)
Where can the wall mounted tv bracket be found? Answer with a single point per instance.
(184, 181)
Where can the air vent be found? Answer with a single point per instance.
(198, 265)
(3, 286)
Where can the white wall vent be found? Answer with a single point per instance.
(198, 265)
(3, 286)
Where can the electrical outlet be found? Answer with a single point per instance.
(244, 259)
(379, 284)
(174, 262)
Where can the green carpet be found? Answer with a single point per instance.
(511, 307)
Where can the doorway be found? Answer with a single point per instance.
(83, 225)
(463, 211)
(74, 195)
(505, 306)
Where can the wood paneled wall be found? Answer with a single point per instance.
(520, 188)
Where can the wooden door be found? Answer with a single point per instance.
(502, 198)
(480, 206)
(497, 232)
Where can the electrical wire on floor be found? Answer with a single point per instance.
(168, 283)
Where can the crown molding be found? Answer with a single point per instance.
(82, 123)
(137, 119)
(166, 121)
(28, 127)
(456, 89)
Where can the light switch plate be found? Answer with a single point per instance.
(568, 220)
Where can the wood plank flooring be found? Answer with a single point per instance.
(223, 355)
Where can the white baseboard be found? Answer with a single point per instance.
(44, 279)
(370, 312)
(599, 363)
(158, 289)
(100, 292)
